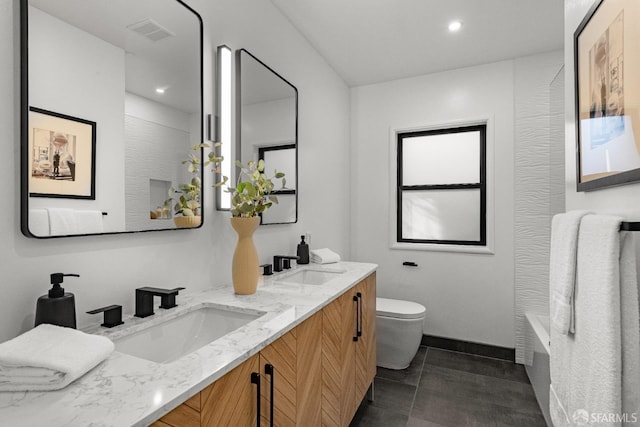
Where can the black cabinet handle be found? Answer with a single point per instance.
(359, 295)
(270, 370)
(355, 336)
(255, 379)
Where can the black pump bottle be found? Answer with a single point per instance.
(303, 252)
(57, 307)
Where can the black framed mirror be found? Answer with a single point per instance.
(267, 128)
(111, 105)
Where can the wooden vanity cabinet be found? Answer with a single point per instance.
(309, 379)
(279, 381)
(365, 364)
(230, 401)
(294, 363)
(185, 415)
(338, 359)
(320, 370)
(348, 352)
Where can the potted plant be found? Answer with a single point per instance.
(251, 196)
(187, 210)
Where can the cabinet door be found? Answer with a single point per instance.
(338, 359)
(366, 345)
(231, 400)
(183, 416)
(278, 364)
(309, 356)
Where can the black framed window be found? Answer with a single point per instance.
(442, 186)
(282, 158)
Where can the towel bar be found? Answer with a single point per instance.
(629, 226)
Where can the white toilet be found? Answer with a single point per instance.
(398, 333)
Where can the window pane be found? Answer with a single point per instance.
(283, 212)
(283, 160)
(451, 158)
(441, 215)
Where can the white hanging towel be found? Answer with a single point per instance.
(588, 367)
(89, 221)
(630, 325)
(39, 222)
(62, 221)
(49, 357)
(562, 269)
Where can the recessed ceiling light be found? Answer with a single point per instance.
(160, 90)
(455, 26)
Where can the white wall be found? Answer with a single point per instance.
(323, 134)
(467, 296)
(84, 57)
(265, 124)
(621, 200)
(111, 267)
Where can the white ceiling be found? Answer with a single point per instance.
(171, 63)
(370, 41)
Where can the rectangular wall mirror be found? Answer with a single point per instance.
(111, 106)
(267, 121)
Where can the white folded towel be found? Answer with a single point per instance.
(562, 269)
(89, 221)
(323, 256)
(39, 222)
(62, 221)
(49, 357)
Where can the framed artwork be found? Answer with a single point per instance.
(62, 155)
(607, 63)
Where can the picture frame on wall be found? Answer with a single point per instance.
(607, 95)
(62, 155)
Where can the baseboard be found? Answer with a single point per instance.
(486, 350)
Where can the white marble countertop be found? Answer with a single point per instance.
(129, 391)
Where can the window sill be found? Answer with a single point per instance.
(466, 249)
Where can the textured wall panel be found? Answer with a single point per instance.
(536, 189)
(556, 150)
(152, 152)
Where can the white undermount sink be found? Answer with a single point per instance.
(310, 276)
(177, 337)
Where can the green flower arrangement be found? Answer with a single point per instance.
(253, 193)
(249, 198)
(188, 204)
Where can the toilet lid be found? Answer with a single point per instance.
(399, 309)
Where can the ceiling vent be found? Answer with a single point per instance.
(151, 30)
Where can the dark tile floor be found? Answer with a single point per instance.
(451, 389)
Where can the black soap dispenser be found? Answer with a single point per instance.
(57, 307)
(303, 252)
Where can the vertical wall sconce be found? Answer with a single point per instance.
(223, 122)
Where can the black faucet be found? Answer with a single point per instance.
(112, 315)
(278, 263)
(144, 299)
